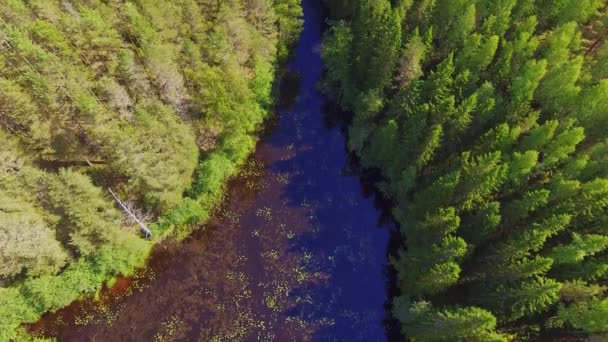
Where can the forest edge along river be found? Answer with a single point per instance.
(298, 251)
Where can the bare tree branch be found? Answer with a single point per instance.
(132, 215)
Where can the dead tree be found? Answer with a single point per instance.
(142, 226)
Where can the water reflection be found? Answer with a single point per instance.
(295, 254)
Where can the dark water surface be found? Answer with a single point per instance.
(295, 254)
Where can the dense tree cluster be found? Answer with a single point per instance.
(139, 96)
(489, 120)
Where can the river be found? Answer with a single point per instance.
(298, 252)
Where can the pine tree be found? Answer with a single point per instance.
(486, 106)
(559, 90)
(380, 150)
(438, 194)
(580, 247)
(524, 85)
(497, 16)
(589, 316)
(526, 298)
(500, 138)
(478, 53)
(497, 123)
(480, 177)
(424, 323)
(563, 145)
(592, 201)
(453, 20)
(591, 269)
(410, 65)
(530, 202)
(520, 269)
(288, 19)
(561, 42)
(524, 44)
(578, 290)
(592, 108)
(27, 244)
(377, 29)
(438, 91)
(429, 146)
(336, 54)
(539, 136)
(564, 11)
(521, 166)
(564, 190)
(437, 225)
(594, 164)
(532, 239)
(481, 224)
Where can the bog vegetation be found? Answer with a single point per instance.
(489, 120)
(157, 100)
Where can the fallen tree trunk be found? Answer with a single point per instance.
(142, 226)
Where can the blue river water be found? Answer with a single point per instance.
(297, 253)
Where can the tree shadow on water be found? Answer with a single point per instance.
(347, 239)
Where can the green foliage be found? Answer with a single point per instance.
(594, 164)
(422, 322)
(438, 194)
(374, 53)
(27, 244)
(558, 90)
(438, 89)
(530, 297)
(589, 316)
(337, 47)
(579, 248)
(531, 201)
(480, 177)
(430, 145)
(289, 20)
(521, 166)
(410, 66)
(539, 136)
(157, 153)
(571, 10)
(578, 290)
(157, 100)
(592, 107)
(477, 54)
(380, 145)
(492, 136)
(528, 240)
(340, 9)
(524, 85)
(482, 224)
(437, 270)
(513, 271)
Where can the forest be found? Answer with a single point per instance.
(156, 102)
(122, 120)
(489, 121)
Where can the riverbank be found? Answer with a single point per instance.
(298, 250)
(26, 299)
(85, 279)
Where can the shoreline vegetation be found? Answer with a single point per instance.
(158, 100)
(488, 119)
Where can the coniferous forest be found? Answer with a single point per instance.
(122, 121)
(157, 101)
(489, 121)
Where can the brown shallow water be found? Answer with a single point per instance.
(296, 252)
(223, 283)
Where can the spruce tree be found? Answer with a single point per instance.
(491, 133)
